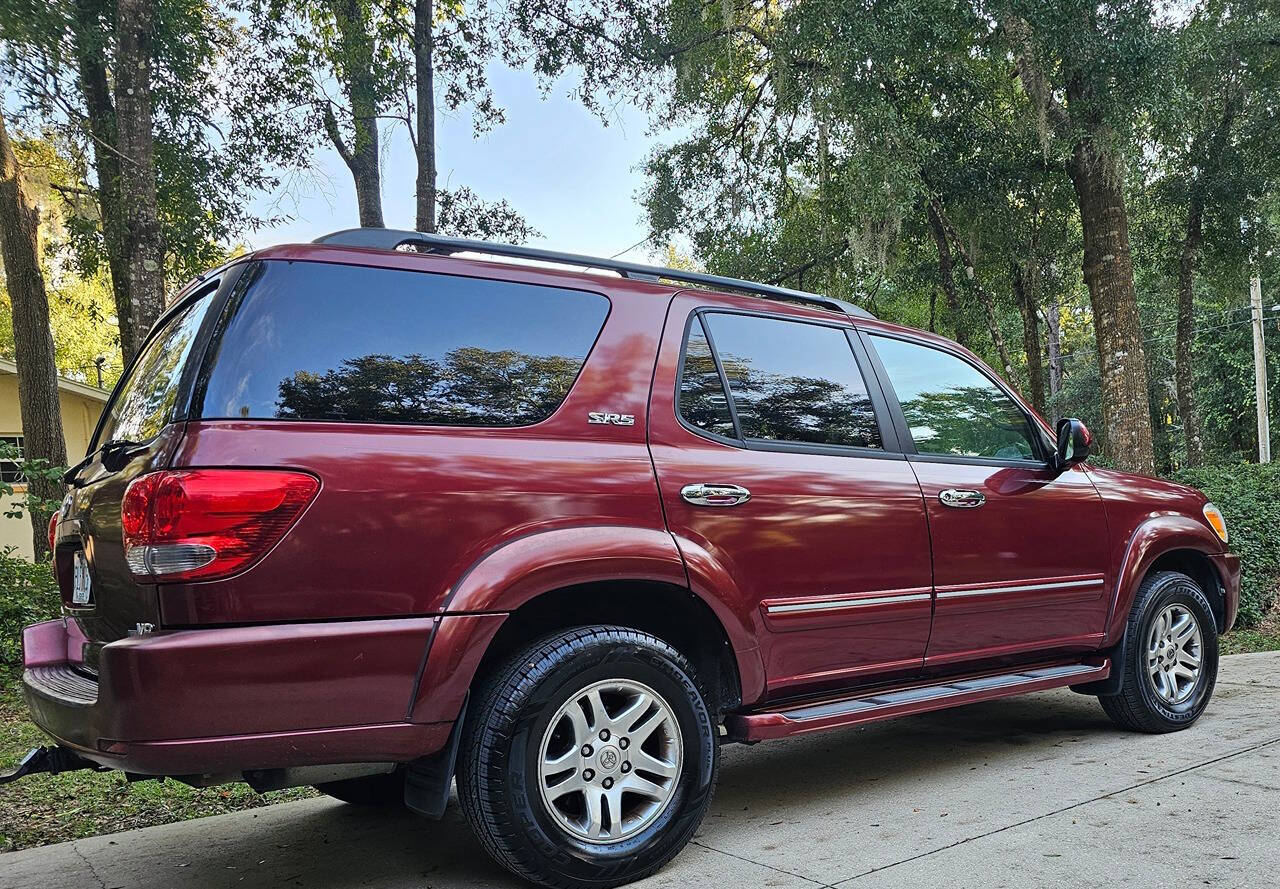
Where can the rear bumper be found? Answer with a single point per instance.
(1228, 567)
(223, 701)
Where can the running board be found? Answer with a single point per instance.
(887, 703)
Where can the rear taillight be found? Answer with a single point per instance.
(201, 524)
(53, 530)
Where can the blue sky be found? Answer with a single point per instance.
(573, 178)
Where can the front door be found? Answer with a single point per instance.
(1019, 550)
(792, 488)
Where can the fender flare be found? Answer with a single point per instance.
(1150, 540)
(519, 570)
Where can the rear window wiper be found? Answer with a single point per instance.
(114, 448)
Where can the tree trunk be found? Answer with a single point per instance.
(90, 51)
(425, 147)
(1108, 273)
(1053, 344)
(359, 84)
(1184, 369)
(1184, 345)
(946, 276)
(1025, 289)
(32, 340)
(1108, 263)
(984, 297)
(144, 239)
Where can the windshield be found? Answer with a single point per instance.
(143, 404)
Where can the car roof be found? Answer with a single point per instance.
(546, 273)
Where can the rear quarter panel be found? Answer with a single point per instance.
(404, 511)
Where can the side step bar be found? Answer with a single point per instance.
(887, 703)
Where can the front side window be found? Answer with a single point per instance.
(794, 382)
(953, 408)
(144, 403)
(319, 341)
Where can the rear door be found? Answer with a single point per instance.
(1019, 550)
(136, 435)
(794, 489)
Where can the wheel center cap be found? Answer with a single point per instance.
(609, 758)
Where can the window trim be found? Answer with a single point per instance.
(889, 437)
(909, 448)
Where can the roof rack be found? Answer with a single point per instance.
(392, 239)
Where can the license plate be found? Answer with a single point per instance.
(80, 580)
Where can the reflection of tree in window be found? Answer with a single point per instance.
(951, 406)
(469, 387)
(702, 400)
(781, 407)
(969, 421)
(146, 406)
(147, 398)
(793, 381)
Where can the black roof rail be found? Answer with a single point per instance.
(392, 239)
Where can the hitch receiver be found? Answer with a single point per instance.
(51, 760)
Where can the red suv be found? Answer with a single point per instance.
(371, 518)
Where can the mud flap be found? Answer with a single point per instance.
(428, 779)
(1114, 683)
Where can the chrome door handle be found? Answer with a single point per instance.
(715, 495)
(962, 498)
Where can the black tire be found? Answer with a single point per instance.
(498, 779)
(372, 790)
(1139, 706)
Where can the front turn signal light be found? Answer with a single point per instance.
(1213, 516)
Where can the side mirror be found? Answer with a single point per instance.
(1074, 442)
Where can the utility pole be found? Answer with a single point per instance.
(1260, 371)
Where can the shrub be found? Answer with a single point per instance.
(1249, 496)
(28, 593)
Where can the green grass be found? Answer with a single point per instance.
(42, 809)
(1264, 637)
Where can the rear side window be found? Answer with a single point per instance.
(702, 401)
(952, 407)
(793, 382)
(144, 403)
(314, 341)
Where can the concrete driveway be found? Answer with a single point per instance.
(1037, 792)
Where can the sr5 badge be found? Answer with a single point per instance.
(603, 418)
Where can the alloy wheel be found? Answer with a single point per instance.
(1175, 651)
(610, 761)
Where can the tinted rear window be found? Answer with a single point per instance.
(316, 341)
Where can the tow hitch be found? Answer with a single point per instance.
(52, 760)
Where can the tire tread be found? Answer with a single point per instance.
(486, 737)
(1129, 709)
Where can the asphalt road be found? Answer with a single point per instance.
(1038, 791)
